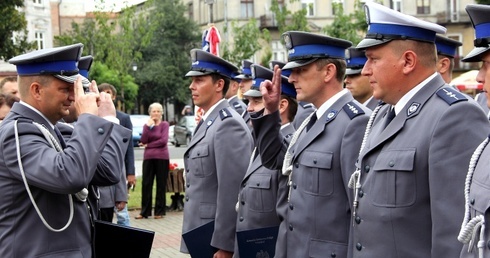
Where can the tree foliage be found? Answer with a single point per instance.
(115, 42)
(487, 2)
(287, 20)
(165, 60)
(12, 20)
(351, 26)
(247, 41)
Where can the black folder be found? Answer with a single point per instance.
(259, 242)
(112, 240)
(198, 241)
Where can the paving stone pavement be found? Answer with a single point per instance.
(168, 233)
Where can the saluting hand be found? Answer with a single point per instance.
(86, 103)
(106, 105)
(271, 92)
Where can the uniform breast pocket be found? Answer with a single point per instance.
(199, 158)
(394, 182)
(316, 175)
(259, 195)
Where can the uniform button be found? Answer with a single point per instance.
(188, 185)
(241, 219)
(333, 255)
(291, 227)
(244, 185)
(125, 139)
(360, 193)
(296, 165)
(358, 219)
(100, 130)
(294, 186)
(257, 184)
(472, 201)
(314, 161)
(242, 202)
(198, 154)
(187, 156)
(392, 163)
(367, 168)
(291, 206)
(358, 246)
(187, 198)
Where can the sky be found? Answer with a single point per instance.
(109, 5)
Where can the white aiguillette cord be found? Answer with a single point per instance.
(50, 138)
(355, 179)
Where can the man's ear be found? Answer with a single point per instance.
(283, 105)
(36, 90)
(443, 65)
(220, 85)
(410, 61)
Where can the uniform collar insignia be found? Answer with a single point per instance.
(413, 108)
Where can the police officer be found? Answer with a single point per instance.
(245, 78)
(43, 177)
(235, 102)
(263, 189)
(409, 170)
(475, 232)
(355, 82)
(446, 51)
(321, 155)
(217, 156)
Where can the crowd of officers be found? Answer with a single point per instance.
(361, 151)
(364, 154)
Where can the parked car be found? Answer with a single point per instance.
(171, 134)
(183, 130)
(138, 122)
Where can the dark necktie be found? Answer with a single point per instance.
(391, 114)
(60, 137)
(198, 125)
(311, 122)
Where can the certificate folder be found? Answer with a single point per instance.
(198, 241)
(112, 240)
(259, 242)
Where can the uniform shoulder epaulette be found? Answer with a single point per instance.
(224, 113)
(450, 95)
(352, 109)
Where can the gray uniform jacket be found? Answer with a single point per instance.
(372, 103)
(318, 219)
(481, 98)
(216, 161)
(240, 107)
(51, 177)
(262, 200)
(412, 176)
(109, 195)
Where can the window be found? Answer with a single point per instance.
(278, 51)
(39, 38)
(246, 8)
(423, 6)
(309, 5)
(396, 5)
(37, 2)
(190, 11)
(454, 10)
(337, 7)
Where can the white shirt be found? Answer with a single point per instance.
(409, 95)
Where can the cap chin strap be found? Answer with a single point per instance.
(82, 195)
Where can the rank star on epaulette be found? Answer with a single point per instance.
(450, 94)
(353, 109)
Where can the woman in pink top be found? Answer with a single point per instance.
(155, 162)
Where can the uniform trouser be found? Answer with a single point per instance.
(154, 169)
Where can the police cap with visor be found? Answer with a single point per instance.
(305, 48)
(385, 25)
